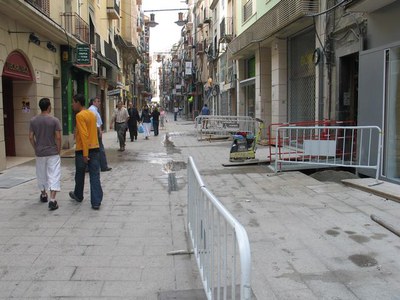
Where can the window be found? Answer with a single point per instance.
(247, 10)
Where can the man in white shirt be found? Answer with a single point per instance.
(95, 107)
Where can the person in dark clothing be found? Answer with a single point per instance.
(134, 118)
(146, 121)
(156, 118)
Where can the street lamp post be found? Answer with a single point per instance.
(180, 22)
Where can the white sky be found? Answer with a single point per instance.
(166, 33)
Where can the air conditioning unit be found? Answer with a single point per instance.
(95, 66)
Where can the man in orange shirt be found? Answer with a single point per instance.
(86, 153)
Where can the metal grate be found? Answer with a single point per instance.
(224, 104)
(301, 79)
(280, 16)
(42, 5)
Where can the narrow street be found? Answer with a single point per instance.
(309, 239)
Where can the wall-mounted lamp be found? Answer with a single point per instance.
(51, 47)
(34, 39)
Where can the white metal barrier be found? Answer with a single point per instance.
(223, 125)
(339, 146)
(220, 243)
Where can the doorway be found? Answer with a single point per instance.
(8, 105)
(348, 88)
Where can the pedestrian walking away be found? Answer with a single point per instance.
(205, 111)
(163, 119)
(94, 106)
(134, 118)
(45, 138)
(146, 121)
(120, 117)
(86, 153)
(176, 111)
(155, 114)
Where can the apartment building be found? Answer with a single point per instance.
(55, 49)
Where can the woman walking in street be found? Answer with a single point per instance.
(134, 118)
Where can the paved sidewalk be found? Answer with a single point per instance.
(309, 239)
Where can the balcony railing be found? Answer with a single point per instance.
(113, 10)
(97, 43)
(75, 25)
(199, 22)
(207, 16)
(199, 48)
(111, 53)
(42, 5)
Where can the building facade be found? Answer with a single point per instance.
(55, 49)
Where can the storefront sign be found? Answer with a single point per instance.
(188, 68)
(17, 67)
(83, 55)
(115, 92)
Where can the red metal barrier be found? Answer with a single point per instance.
(322, 134)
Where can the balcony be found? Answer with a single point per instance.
(110, 53)
(41, 5)
(97, 43)
(113, 10)
(226, 30)
(199, 48)
(188, 41)
(207, 16)
(75, 25)
(139, 25)
(199, 22)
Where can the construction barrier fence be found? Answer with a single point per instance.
(338, 146)
(220, 243)
(208, 125)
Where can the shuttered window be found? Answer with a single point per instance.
(247, 10)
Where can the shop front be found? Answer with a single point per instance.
(18, 86)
